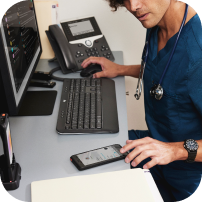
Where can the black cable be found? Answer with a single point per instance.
(55, 77)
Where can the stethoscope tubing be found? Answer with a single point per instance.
(144, 60)
(175, 45)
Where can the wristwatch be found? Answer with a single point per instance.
(191, 146)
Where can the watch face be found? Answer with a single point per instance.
(191, 145)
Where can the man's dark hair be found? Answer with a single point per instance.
(115, 4)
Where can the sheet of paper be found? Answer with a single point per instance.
(153, 187)
(46, 12)
(120, 186)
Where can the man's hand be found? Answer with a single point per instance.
(109, 69)
(161, 153)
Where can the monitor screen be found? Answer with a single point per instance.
(21, 43)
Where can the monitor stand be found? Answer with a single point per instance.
(38, 103)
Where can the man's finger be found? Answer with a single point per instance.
(144, 155)
(138, 151)
(99, 75)
(128, 141)
(151, 163)
(90, 60)
(86, 61)
(136, 143)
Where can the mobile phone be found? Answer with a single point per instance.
(5, 134)
(98, 157)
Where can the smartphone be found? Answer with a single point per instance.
(98, 157)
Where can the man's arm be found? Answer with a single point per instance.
(111, 69)
(182, 154)
(130, 70)
(161, 153)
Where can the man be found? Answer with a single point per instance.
(178, 115)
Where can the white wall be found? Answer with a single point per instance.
(123, 32)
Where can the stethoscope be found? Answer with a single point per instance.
(157, 90)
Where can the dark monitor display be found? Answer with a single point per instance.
(20, 50)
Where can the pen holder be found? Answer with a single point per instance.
(16, 171)
(10, 170)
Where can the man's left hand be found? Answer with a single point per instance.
(161, 153)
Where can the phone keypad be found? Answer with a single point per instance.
(100, 49)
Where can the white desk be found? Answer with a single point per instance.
(43, 154)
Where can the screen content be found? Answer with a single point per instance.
(21, 34)
(79, 28)
(98, 155)
(9, 142)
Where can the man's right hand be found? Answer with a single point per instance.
(109, 69)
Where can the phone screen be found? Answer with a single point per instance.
(79, 28)
(9, 144)
(99, 155)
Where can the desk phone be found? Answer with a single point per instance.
(80, 39)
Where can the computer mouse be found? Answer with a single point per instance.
(90, 70)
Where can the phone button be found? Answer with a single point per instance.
(88, 42)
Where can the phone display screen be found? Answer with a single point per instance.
(79, 28)
(9, 144)
(98, 155)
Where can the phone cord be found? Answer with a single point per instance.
(55, 77)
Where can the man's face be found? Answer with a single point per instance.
(148, 12)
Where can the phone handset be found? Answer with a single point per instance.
(62, 49)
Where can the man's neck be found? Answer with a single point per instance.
(172, 20)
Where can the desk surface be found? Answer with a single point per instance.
(43, 154)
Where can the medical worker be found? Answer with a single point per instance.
(172, 146)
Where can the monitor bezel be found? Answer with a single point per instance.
(13, 107)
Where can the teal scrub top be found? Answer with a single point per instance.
(178, 115)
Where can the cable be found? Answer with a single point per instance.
(54, 77)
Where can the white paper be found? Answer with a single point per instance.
(120, 186)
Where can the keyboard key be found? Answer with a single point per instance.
(93, 82)
(86, 126)
(92, 125)
(88, 82)
(74, 126)
(98, 82)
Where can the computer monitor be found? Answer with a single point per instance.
(20, 51)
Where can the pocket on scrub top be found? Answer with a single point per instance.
(166, 111)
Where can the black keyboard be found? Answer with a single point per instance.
(88, 106)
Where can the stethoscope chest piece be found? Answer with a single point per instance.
(157, 91)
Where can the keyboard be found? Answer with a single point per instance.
(88, 106)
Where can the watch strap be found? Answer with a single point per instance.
(191, 154)
(191, 157)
